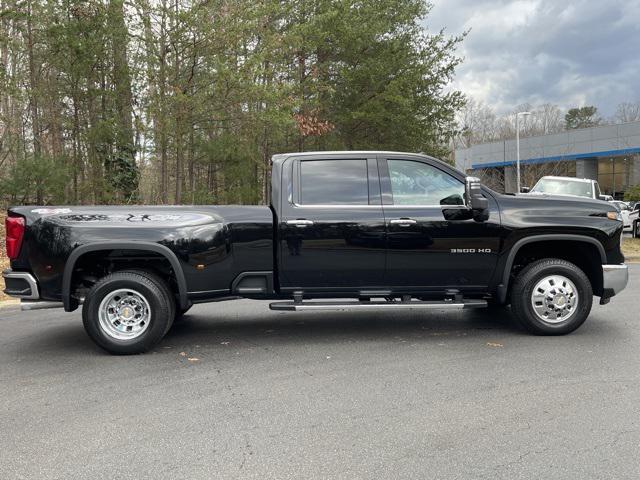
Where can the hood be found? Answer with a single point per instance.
(560, 199)
(558, 213)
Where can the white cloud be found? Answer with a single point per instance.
(538, 51)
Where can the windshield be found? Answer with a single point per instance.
(622, 206)
(560, 186)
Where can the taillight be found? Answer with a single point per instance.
(15, 232)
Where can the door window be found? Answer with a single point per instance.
(417, 183)
(334, 182)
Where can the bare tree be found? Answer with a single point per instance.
(547, 119)
(627, 112)
(477, 124)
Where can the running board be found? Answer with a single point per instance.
(294, 306)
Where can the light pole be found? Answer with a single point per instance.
(613, 170)
(518, 148)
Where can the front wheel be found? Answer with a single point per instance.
(128, 312)
(551, 297)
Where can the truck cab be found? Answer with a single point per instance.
(378, 222)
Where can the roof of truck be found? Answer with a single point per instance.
(280, 157)
(350, 152)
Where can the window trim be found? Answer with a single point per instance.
(387, 191)
(371, 179)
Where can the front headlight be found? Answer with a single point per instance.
(614, 216)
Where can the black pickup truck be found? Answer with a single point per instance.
(343, 230)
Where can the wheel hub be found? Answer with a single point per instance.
(554, 298)
(124, 314)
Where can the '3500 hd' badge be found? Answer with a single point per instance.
(470, 250)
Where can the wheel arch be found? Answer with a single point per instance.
(503, 287)
(77, 254)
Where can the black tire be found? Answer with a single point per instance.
(161, 311)
(154, 276)
(521, 297)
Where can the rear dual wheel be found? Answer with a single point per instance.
(128, 312)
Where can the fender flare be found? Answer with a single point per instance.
(142, 246)
(506, 273)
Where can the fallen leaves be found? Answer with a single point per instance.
(190, 359)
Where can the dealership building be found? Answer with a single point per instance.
(609, 154)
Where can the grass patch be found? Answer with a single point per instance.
(631, 247)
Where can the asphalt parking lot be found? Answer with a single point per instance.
(238, 391)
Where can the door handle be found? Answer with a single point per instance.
(300, 222)
(403, 222)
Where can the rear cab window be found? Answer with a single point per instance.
(333, 182)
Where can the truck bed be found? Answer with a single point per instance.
(213, 244)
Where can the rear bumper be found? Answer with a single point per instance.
(21, 285)
(24, 286)
(614, 279)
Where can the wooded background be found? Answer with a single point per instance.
(185, 101)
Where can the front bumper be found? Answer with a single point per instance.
(614, 279)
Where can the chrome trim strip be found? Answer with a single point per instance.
(615, 277)
(300, 222)
(403, 222)
(337, 205)
(448, 207)
(30, 279)
(329, 205)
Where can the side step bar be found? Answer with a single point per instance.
(28, 305)
(293, 306)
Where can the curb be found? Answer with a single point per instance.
(9, 303)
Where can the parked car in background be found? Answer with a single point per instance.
(634, 220)
(625, 211)
(574, 187)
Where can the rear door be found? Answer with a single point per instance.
(331, 226)
(433, 243)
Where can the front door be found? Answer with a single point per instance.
(331, 230)
(433, 242)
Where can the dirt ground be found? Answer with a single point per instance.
(631, 248)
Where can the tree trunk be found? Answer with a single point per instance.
(126, 171)
(33, 84)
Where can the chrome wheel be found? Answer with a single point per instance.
(124, 314)
(554, 298)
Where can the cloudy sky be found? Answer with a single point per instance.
(566, 52)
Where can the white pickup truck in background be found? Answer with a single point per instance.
(574, 187)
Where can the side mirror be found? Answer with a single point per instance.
(474, 199)
(525, 189)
